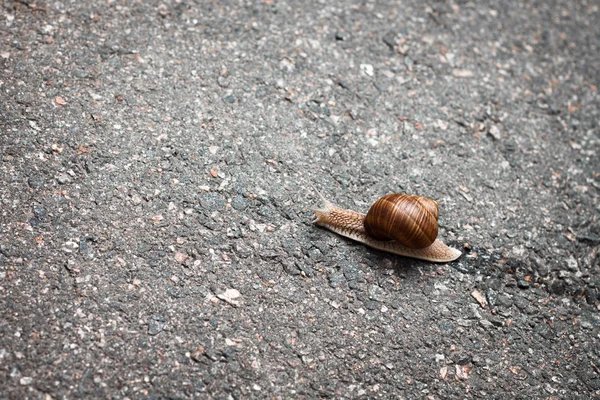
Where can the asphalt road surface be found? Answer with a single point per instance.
(158, 166)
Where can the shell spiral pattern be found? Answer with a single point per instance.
(409, 220)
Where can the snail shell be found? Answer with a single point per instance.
(409, 220)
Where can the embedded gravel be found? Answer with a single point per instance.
(158, 165)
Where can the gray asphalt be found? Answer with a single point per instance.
(158, 166)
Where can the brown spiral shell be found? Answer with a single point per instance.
(410, 220)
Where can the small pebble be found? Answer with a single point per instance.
(223, 81)
(523, 284)
(26, 380)
(367, 69)
(495, 133)
(63, 178)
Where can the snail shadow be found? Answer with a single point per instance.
(378, 259)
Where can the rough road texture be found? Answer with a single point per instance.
(156, 171)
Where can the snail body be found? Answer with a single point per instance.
(397, 223)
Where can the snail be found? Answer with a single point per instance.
(397, 223)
